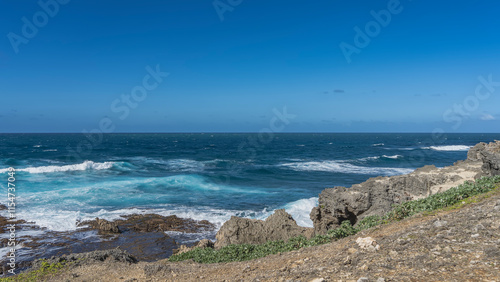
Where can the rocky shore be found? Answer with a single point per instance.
(458, 245)
(141, 235)
(376, 196)
(448, 245)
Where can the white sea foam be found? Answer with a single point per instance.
(378, 144)
(392, 157)
(60, 220)
(369, 158)
(187, 238)
(301, 209)
(378, 157)
(343, 167)
(184, 165)
(449, 148)
(175, 165)
(86, 165)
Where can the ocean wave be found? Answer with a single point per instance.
(64, 220)
(54, 219)
(184, 165)
(369, 158)
(344, 167)
(86, 165)
(175, 165)
(301, 209)
(392, 157)
(448, 148)
(378, 144)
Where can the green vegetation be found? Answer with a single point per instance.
(43, 273)
(445, 199)
(450, 198)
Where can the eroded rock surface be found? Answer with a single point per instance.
(489, 154)
(205, 243)
(278, 226)
(149, 223)
(377, 195)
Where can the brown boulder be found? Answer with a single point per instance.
(278, 226)
(105, 226)
(205, 243)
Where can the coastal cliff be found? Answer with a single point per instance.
(376, 196)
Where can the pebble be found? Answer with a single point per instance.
(440, 223)
(363, 279)
(318, 280)
(368, 243)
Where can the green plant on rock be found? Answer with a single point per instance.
(43, 273)
(345, 229)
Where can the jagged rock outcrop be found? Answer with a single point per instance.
(205, 243)
(377, 195)
(489, 154)
(278, 226)
(104, 226)
(148, 223)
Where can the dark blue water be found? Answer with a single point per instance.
(65, 178)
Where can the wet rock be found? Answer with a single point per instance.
(105, 226)
(149, 223)
(279, 226)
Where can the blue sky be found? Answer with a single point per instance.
(233, 63)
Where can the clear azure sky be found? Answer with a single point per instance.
(67, 66)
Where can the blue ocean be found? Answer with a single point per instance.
(63, 179)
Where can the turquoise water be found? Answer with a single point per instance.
(203, 176)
